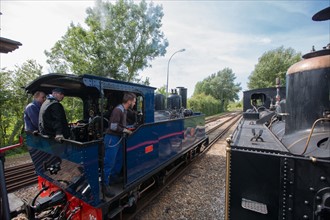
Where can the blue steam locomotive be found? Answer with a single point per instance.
(70, 172)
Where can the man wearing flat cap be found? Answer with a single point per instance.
(52, 118)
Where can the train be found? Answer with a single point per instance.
(263, 98)
(70, 172)
(278, 159)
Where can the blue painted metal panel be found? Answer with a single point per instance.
(153, 145)
(72, 167)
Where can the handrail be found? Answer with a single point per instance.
(82, 143)
(310, 134)
(69, 140)
(4, 149)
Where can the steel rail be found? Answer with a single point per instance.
(20, 176)
(221, 124)
(217, 117)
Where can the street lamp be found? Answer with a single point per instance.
(168, 69)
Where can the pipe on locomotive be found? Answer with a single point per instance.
(311, 132)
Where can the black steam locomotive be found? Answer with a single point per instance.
(278, 160)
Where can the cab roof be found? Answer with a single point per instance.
(82, 85)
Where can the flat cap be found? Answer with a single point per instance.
(58, 90)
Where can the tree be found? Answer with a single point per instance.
(120, 40)
(272, 64)
(13, 99)
(5, 96)
(221, 86)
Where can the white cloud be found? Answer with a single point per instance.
(263, 40)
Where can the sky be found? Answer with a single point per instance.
(215, 34)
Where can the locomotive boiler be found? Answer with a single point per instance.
(279, 168)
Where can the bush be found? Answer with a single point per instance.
(205, 104)
(235, 106)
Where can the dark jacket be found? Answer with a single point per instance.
(52, 119)
(117, 121)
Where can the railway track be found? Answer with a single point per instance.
(216, 132)
(217, 117)
(20, 176)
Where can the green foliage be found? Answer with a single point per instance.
(120, 40)
(235, 106)
(272, 64)
(162, 90)
(13, 99)
(73, 107)
(206, 104)
(221, 86)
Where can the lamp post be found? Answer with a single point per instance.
(168, 70)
